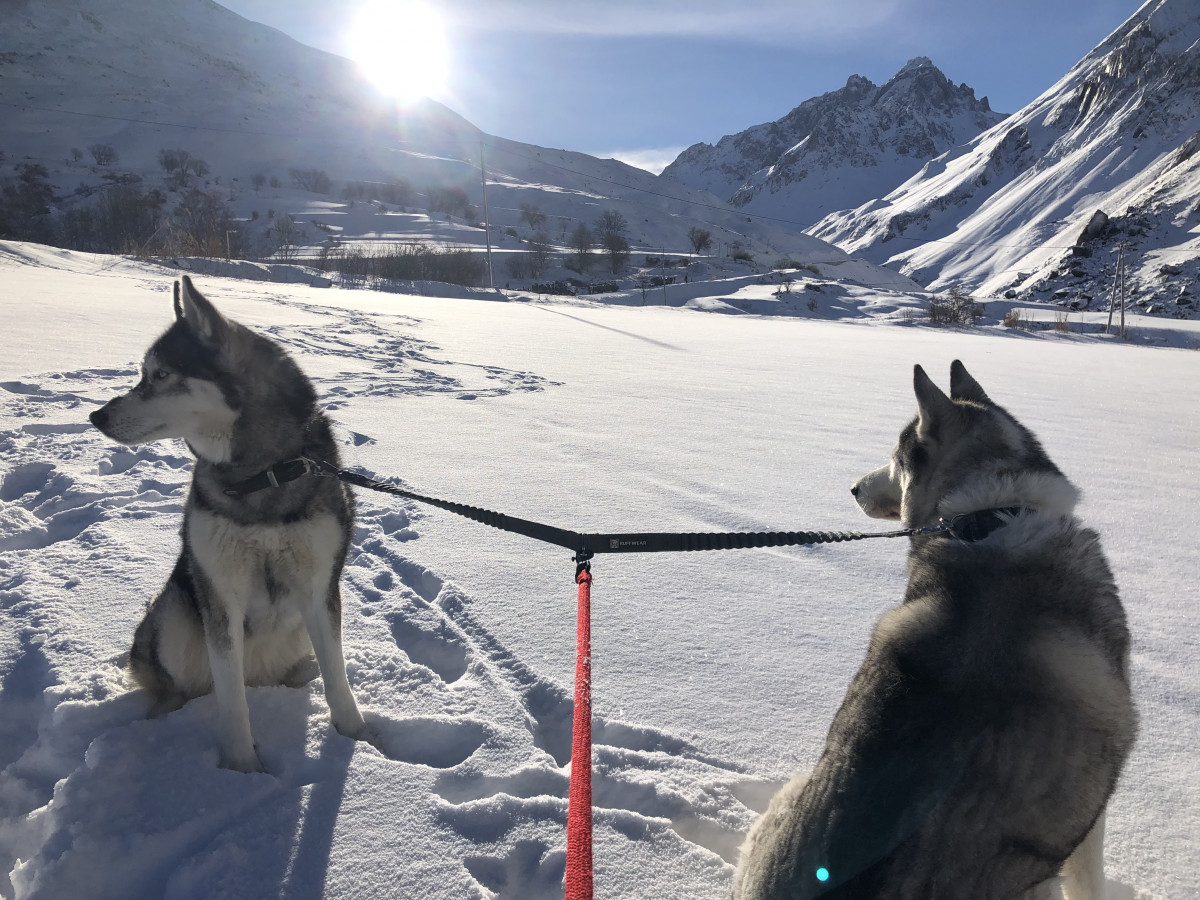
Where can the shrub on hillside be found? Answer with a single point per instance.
(314, 180)
(955, 308)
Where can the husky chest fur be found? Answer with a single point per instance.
(978, 744)
(256, 588)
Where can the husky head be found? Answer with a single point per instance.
(186, 390)
(961, 454)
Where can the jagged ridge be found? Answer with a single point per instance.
(840, 149)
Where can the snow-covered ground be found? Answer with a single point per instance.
(715, 674)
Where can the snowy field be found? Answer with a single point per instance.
(715, 675)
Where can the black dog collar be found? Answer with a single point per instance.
(975, 526)
(280, 473)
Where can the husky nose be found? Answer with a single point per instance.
(99, 418)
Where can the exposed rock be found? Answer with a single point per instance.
(885, 134)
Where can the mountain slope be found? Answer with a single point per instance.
(1118, 134)
(840, 149)
(140, 76)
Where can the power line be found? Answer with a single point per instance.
(153, 122)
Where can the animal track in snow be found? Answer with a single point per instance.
(26, 478)
(439, 649)
(398, 362)
(46, 499)
(476, 736)
(440, 743)
(530, 871)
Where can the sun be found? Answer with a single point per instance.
(401, 48)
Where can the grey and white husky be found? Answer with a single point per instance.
(977, 746)
(257, 586)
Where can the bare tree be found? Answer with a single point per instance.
(610, 231)
(539, 255)
(581, 241)
(611, 222)
(533, 217)
(103, 154)
(283, 231)
(171, 160)
(701, 239)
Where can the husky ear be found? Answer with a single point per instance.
(932, 404)
(193, 308)
(964, 387)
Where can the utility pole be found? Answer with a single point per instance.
(664, 275)
(1123, 287)
(1118, 288)
(487, 225)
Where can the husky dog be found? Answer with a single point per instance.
(977, 746)
(256, 587)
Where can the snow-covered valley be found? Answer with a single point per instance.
(715, 675)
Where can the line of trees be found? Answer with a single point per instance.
(606, 236)
(125, 218)
(449, 201)
(406, 262)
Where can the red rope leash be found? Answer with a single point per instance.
(579, 808)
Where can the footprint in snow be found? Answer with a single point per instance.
(25, 478)
(440, 743)
(530, 871)
(437, 648)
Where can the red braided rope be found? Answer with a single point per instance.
(579, 809)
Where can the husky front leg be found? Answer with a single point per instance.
(226, 647)
(323, 619)
(1083, 872)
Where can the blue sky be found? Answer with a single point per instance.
(629, 77)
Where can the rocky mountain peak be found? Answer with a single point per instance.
(1031, 210)
(796, 167)
(917, 62)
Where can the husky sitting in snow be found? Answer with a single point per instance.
(256, 587)
(977, 747)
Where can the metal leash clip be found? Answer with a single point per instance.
(318, 468)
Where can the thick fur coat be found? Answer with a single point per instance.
(979, 742)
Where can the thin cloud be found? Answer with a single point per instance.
(652, 160)
(772, 21)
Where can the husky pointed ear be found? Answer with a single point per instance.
(964, 387)
(932, 404)
(193, 308)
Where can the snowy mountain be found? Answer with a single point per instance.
(140, 76)
(1032, 208)
(840, 149)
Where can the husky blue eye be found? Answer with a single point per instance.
(822, 874)
(160, 374)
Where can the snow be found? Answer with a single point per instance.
(715, 674)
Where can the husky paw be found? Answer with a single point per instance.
(248, 764)
(368, 735)
(357, 731)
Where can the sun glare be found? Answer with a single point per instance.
(401, 48)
